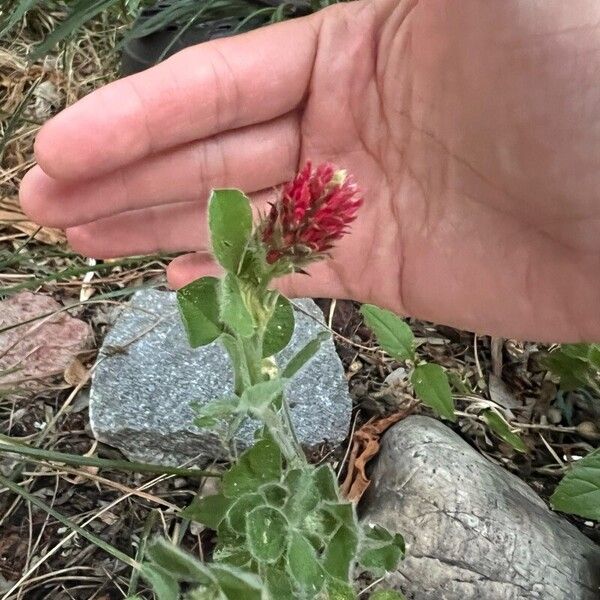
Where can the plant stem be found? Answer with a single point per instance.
(253, 356)
(289, 426)
(280, 432)
(278, 420)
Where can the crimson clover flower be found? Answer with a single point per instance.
(313, 211)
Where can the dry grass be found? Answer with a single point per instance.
(39, 556)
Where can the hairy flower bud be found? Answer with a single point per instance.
(313, 211)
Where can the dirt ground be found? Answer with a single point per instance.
(41, 557)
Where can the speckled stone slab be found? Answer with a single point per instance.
(148, 375)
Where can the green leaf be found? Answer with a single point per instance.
(344, 513)
(574, 365)
(199, 309)
(579, 491)
(208, 415)
(230, 224)
(209, 511)
(261, 396)
(326, 482)
(502, 429)
(279, 584)
(381, 550)
(393, 334)
(594, 355)
(163, 585)
(304, 355)
(432, 388)
(303, 564)
(340, 553)
(179, 564)
(280, 328)
(303, 494)
(266, 533)
(387, 595)
(234, 312)
(257, 465)
(580, 351)
(274, 493)
(236, 516)
(340, 590)
(236, 583)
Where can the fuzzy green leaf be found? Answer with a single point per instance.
(163, 585)
(340, 590)
(179, 564)
(392, 333)
(257, 465)
(344, 513)
(381, 551)
(208, 415)
(236, 556)
(340, 553)
(234, 312)
(304, 355)
(230, 224)
(303, 494)
(274, 493)
(236, 516)
(502, 429)
(303, 565)
(266, 533)
(432, 388)
(279, 584)
(261, 396)
(209, 511)
(579, 491)
(236, 584)
(326, 482)
(279, 328)
(199, 309)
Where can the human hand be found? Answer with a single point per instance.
(471, 127)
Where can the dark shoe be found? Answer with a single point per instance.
(142, 52)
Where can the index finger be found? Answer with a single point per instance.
(203, 90)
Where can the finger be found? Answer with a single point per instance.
(252, 158)
(201, 91)
(189, 267)
(168, 228)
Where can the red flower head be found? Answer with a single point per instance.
(314, 211)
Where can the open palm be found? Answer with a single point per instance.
(471, 126)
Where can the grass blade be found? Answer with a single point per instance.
(17, 489)
(7, 444)
(16, 117)
(18, 13)
(81, 12)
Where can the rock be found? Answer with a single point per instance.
(473, 530)
(148, 375)
(36, 350)
(46, 100)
